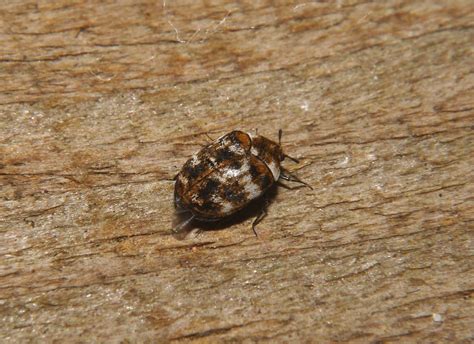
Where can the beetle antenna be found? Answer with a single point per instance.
(210, 138)
(280, 134)
(291, 158)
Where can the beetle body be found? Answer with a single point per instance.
(224, 176)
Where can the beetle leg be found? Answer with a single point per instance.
(290, 187)
(287, 175)
(180, 224)
(195, 232)
(210, 138)
(260, 216)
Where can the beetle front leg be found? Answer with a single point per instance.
(287, 175)
(261, 215)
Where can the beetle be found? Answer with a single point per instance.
(226, 175)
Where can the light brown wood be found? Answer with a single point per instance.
(101, 103)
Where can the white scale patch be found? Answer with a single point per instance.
(274, 168)
(216, 199)
(227, 207)
(245, 167)
(254, 151)
(182, 179)
(195, 199)
(220, 178)
(251, 188)
(234, 148)
(231, 173)
(194, 160)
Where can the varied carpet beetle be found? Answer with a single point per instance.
(226, 175)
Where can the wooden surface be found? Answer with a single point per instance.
(102, 102)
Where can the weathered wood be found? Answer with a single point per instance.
(100, 104)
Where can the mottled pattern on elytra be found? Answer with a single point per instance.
(222, 178)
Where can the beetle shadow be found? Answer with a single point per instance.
(251, 210)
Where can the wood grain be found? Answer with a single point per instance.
(102, 102)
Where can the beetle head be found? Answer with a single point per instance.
(267, 149)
